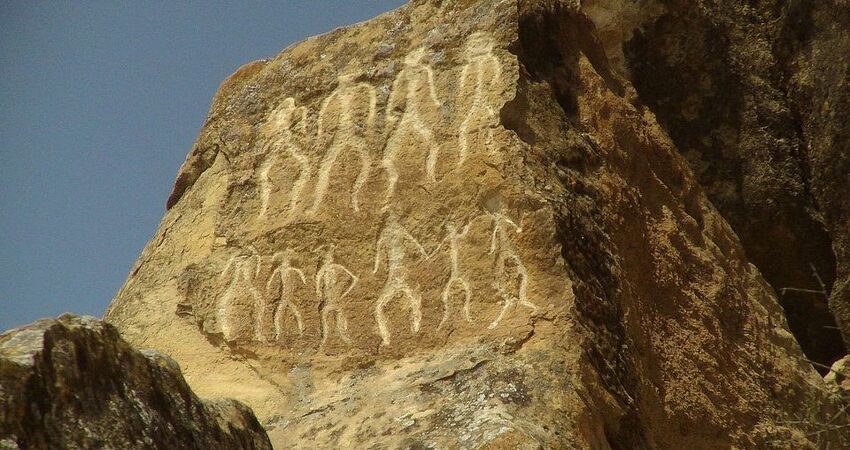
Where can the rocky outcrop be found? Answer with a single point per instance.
(754, 95)
(73, 383)
(457, 226)
(819, 84)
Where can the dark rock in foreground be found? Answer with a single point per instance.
(74, 383)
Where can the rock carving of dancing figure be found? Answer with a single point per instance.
(281, 292)
(455, 277)
(240, 296)
(393, 241)
(333, 283)
(414, 86)
(280, 125)
(506, 255)
(341, 108)
(479, 79)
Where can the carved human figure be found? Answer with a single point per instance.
(282, 125)
(413, 90)
(240, 296)
(341, 108)
(506, 256)
(280, 292)
(479, 79)
(456, 277)
(333, 283)
(393, 243)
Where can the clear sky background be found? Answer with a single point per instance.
(99, 105)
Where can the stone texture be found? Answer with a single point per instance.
(838, 378)
(754, 94)
(73, 383)
(457, 226)
(819, 84)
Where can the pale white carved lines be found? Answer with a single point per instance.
(484, 70)
(501, 245)
(242, 271)
(278, 287)
(348, 93)
(455, 276)
(281, 123)
(392, 243)
(331, 288)
(415, 84)
(243, 311)
(265, 183)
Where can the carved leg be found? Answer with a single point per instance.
(445, 297)
(467, 293)
(259, 314)
(415, 307)
(463, 138)
(297, 315)
(325, 326)
(362, 176)
(301, 181)
(388, 163)
(223, 315)
(324, 176)
(342, 327)
(265, 184)
(386, 296)
(508, 302)
(433, 151)
(276, 318)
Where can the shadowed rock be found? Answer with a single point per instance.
(73, 383)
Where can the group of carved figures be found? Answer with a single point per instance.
(351, 107)
(334, 282)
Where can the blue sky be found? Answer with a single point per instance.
(99, 105)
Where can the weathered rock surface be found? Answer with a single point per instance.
(756, 96)
(456, 226)
(73, 383)
(838, 378)
(820, 87)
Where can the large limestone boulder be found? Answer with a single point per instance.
(455, 226)
(73, 383)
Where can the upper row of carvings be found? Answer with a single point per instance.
(347, 115)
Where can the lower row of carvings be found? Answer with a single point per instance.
(267, 304)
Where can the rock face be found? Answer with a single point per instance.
(755, 95)
(457, 226)
(820, 86)
(73, 383)
(838, 378)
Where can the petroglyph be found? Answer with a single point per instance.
(281, 124)
(415, 86)
(506, 256)
(240, 295)
(281, 292)
(484, 71)
(331, 288)
(350, 134)
(393, 242)
(454, 237)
